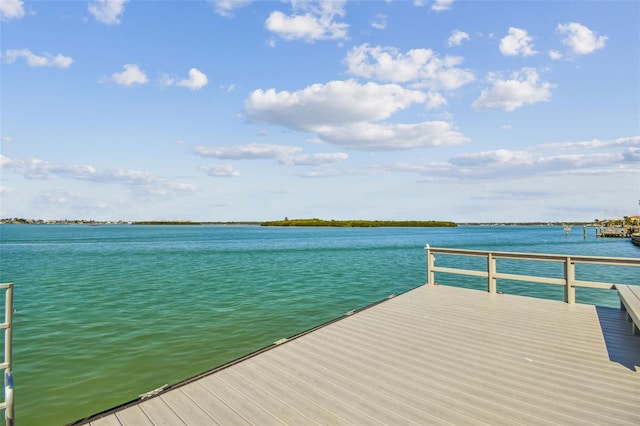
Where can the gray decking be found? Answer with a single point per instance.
(434, 355)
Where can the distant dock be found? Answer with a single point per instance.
(616, 231)
(433, 355)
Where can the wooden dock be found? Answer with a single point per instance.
(434, 355)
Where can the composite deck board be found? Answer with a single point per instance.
(217, 409)
(434, 355)
(518, 402)
(157, 410)
(134, 416)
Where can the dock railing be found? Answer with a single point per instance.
(492, 274)
(7, 405)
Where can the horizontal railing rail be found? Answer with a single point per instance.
(569, 280)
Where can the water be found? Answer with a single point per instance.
(105, 313)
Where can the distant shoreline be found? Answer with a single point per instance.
(291, 222)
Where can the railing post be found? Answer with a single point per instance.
(431, 274)
(491, 272)
(8, 375)
(570, 277)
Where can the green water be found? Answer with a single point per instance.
(105, 313)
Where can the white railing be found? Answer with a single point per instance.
(7, 405)
(491, 273)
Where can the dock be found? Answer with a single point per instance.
(434, 355)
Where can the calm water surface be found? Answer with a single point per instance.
(105, 313)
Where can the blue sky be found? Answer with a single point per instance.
(260, 110)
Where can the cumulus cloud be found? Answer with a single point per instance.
(517, 42)
(579, 39)
(310, 22)
(523, 88)
(221, 170)
(440, 5)
(392, 137)
(457, 37)
(422, 66)
(344, 112)
(331, 104)
(33, 60)
(435, 100)
(11, 9)
(107, 11)
(131, 76)
(226, 7)
(197, 80)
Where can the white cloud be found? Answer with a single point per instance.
(6, 190)
(522, 89)
(457, 37)
(391, 137)
(435, 100)
(633, 141)
(226, 7)
(166, 80)
(517, 42)
(107, 11)
(317, 22)
(555, 55)
(342, 112)
(502, 162)
(11, 9)
(332, 104)
(631, 155)
(228, 89)
(6, 138)
(284, 154)
(131, 76)
(253, 151)
(221, 170)
(33, 60)
(197, 80)
(440, 5)
(314, 159)
(380, 22)
(580, 39)
(422, 66)
(143, 182)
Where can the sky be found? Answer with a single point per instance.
(221, 110)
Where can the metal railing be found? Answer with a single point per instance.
(7, 405)
(569, 280)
